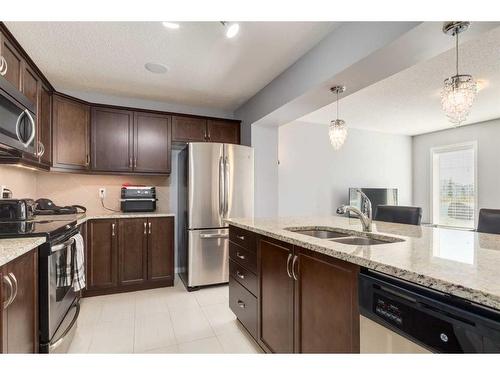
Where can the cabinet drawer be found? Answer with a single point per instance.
(243, 257)
(244, 306)
(243, 238)
(243, 276)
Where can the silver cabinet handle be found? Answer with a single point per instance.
(9, 300)
(240, 275)
(4, 66)
(213, 235)
(145, 224)
(41, 150)
(33, 128)
(13, 277)
(150, 228)
(242, 238)
(87, 160)
(293, 267)
(288, 265)
(135, 162)
(113, 229)
(241, 304)
(240, 255)
(130, 162)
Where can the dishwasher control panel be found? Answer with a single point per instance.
(388, 310)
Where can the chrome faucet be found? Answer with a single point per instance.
(366, 220)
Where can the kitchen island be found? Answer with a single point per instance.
(461, 264)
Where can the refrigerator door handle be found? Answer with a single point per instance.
(221, 187)
(226, 186)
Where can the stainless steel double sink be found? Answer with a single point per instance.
(347, 238)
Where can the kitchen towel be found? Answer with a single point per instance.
(64, 276)
(79, 276)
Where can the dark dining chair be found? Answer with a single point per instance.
(489, 221)
(399, 214)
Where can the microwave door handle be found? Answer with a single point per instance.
(33, 128)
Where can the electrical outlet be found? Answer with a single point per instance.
(102, 193)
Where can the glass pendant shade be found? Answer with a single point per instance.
(457, 97)
(338, 133)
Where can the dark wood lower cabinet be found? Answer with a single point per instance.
(102, 254)
(326, 304)
(275, 296)
(306, 302)
(129, 254)
(161, 249)
(19, 320)
(133, 251)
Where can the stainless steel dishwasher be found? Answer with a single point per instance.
(402, 317)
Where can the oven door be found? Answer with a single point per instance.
(17, 125)
(61, 295)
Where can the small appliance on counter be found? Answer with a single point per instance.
(16, 209)
(138, 198)
(44, 206)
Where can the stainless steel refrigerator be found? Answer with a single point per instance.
(215, 181)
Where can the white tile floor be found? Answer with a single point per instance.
(165, 320)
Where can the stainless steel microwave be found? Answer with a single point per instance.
(17, 119)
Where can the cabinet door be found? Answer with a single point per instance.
(112, 139)
(44, 125)
(276, 296)
(151, 143)
(132, 250)
(188, 129)
(223, 131)
(14, 62)
(161, 248)
(30, 83)
(326, 304)
(102, 262)
(71, 121)
(21, 322)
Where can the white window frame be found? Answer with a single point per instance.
(434, 171)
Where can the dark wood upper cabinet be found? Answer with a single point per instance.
(152, 143)
(222, 131)
(132, 250)
(14, 62)
(70, 127)
(189, 129)
(112, 133)
(275, 296)
(160, 248)
(326, 304)
(102, 254)
(20, 319)
(31, 85)
(44, 125)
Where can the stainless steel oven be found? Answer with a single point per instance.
(17, 119)
(59, 303)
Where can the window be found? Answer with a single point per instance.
(454, 188)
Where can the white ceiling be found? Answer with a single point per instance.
(409, 102)
(205, 68)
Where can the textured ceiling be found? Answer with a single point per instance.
(205, 68)
(409, 102)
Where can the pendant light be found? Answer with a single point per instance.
(459, 91)
(338, 129)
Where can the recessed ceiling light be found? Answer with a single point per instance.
(232, 28)
(156, 68)
(171, 25)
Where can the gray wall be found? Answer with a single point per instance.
(487, 135)
(314, 178)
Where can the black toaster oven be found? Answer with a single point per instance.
(138, 199)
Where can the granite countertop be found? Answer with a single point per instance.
(82, 218)
(465, 264)
(11, 248)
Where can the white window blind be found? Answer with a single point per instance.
(454, 185)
